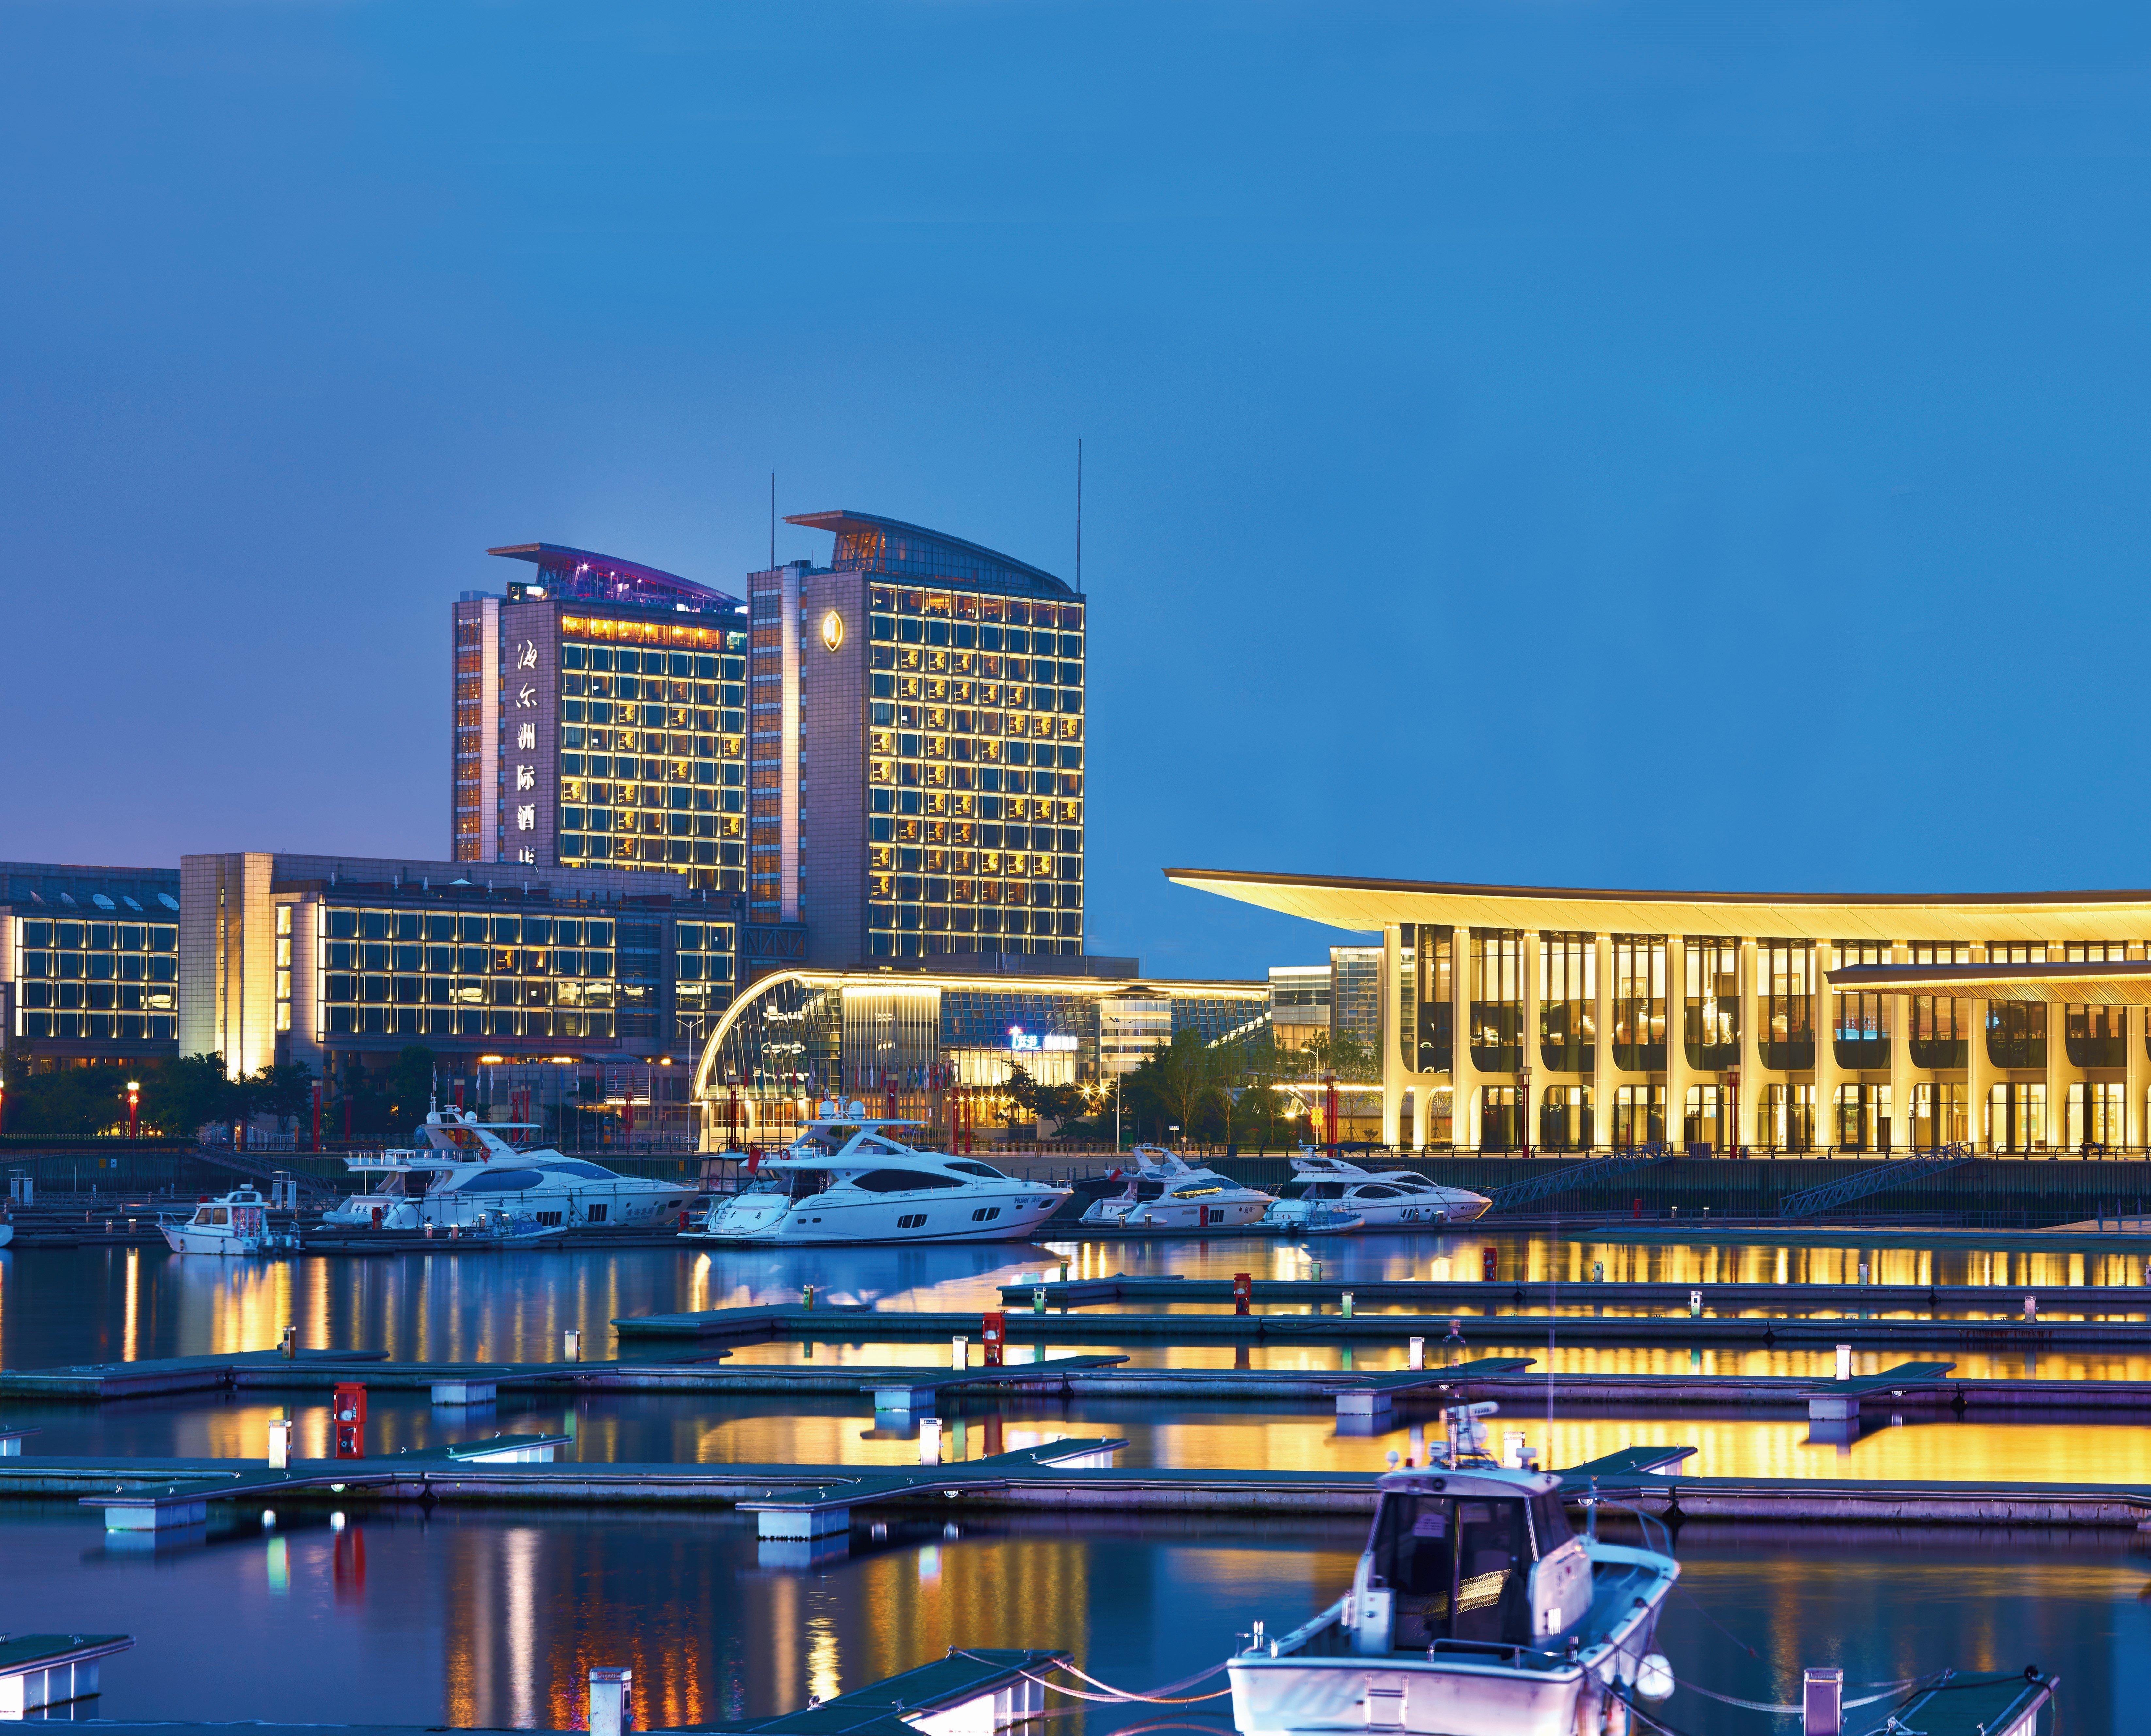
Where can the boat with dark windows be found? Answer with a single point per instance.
(1165, 1191)
(1475, 1611)
(850, 1177)
(464, 1172)
(1387, 1199)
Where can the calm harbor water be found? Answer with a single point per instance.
(476, 1618)
(472, 1619)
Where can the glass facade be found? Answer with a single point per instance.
(1939, 1027)
(653, 758)
(1938, 1116)
(1639, 1116)
(974, 772)
(1859, 1027)
(1497, 1000)
(1785, 1119)
(2017, 1029)
(1435, 994)
(1565, 1118)
(1785, 987)
(1638, 1003)
(1712, 1025)
(2096, 1036)
(1568, 999)
(107, 981)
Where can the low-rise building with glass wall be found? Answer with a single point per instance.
(2011, 1023)
(88, 963)
(335, 961)
(909, 1036)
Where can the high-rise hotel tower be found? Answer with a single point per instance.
(600, 720)
(916, 723)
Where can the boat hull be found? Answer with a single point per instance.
(182, 1238)
(886, 1218)
(1323, 1697)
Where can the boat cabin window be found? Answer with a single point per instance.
(1550, 1527)
(501, 1181)
(1149, 1190)
(1198, 1191)
(807, 1182)
(987, 1170)
(1411, 1180)
(878, 1148)
(1325, 1190)
(1456, 1567)
(902, 1180)
(1375, 1194)
(588, 1171)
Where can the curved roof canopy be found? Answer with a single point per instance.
(2032, 918)
(868, 543)
(585, 575)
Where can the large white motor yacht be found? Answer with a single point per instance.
(851, 1178)
(464, 1170)
(1386, 1199)
(1165, 1191)
(1475, 1611)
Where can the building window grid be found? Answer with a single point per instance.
(975, 842)
(653, 750)
(2017, 1029)
(108, 982)
(1568, 994)
(1711, 1020)
(413, 973)
(1638, 994)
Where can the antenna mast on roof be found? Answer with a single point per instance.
(1078, 515)
(772, 521)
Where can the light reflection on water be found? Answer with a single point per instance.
(834, 1430)
(479, 1621)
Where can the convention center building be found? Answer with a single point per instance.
(1595, 1020)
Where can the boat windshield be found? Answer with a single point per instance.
(1456, 1567)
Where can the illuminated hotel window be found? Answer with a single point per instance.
(415, 973)
(105, 982)
(1497, 1000)
(653, 752)
(283, 967)
(1784, 989)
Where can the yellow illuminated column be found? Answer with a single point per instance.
(2060, 1075)
(1754, 1083)
(1530, 1044)
(1601, 1042)
(1391, 1035)
(1827, 1075)
(2132, 1093)
(1903, 1074)
(1678, 1077)
(1464, 1093)
(1978, 1071)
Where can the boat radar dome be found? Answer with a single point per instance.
(858, 1109)
(826, 1109)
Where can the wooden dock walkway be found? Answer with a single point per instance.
(2118, 1329)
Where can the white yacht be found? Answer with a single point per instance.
(849, 1178)
(1386, 1199)
(1475, 1611)
(466, 1171)
(1165, 1191)
(232, 1223)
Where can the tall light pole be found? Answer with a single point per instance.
(133, 1108)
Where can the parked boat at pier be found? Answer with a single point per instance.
(232, 1223)
(850, 1178)
(465, 1171)
(1389, 1199)
(1165, 1191)
(1474, 1611)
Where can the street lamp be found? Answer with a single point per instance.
(1733, 1111)
(133, 1106)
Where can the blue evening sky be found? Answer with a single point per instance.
(1643, 445)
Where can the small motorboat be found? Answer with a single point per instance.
(1475, 1611)
(1165, 1191)
(1388, 1199)
(232, 1223)
(1329, 1220)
